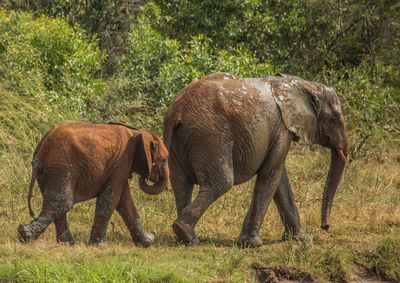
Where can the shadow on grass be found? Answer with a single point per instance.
(170, 241)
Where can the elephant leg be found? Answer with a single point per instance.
(57, 201)
(128, 212)
(106, 202)
(268, 178)
(287, 209)
(63, 233)
(181, 186)
(183, 190)
(220, 181)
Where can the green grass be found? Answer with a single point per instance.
(363, 241)
(364, 236)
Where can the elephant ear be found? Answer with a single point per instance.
(148, 149)
(299, 103)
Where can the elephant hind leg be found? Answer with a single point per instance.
(128, 212)
(57, 201)
(220, 180)
(182, 187)
(269, 176)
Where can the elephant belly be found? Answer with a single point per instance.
(249, 154)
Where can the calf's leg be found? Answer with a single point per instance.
(126, 208)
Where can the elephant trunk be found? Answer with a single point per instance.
(338, 162)
(157, 187)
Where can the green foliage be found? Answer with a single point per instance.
(371, 105)
(162, 67)
(46, 78)
(200, 58)
(57, 57)
(107, 20)
(156, 68)
(299, 36)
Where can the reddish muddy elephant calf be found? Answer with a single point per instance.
(78, 161)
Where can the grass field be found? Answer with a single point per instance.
(363, 242)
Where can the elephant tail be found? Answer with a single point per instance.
(33, 179)
(170, 125)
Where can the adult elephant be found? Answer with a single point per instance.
(78, 161)
(222, 130)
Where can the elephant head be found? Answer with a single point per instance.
(156, 156)
(312, 112)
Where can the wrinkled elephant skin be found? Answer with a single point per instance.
(78, 161)
(222, 130)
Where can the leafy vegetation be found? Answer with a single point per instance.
(126, 61)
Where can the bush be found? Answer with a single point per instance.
(370, 104)
(156, 68)
(58, 58)
(46, 78)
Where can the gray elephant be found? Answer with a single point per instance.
(222, 130)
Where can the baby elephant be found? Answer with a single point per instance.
(78, 161)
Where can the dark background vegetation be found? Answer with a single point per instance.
(126, 60)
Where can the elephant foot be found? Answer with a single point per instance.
(66, 239)
(299, 235)
(193, 242)
(246, 241)
(97, 243)
(146, 240)
(184, 233)
(25, 233)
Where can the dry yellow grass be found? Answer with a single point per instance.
(365, 214)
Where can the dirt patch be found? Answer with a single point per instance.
(284, 274)
(362, 275)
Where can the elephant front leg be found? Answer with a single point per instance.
(106, 202)
(128, 212)
(287, 209)
(63, 233)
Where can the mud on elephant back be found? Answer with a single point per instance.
(78, 161)
(222, 130)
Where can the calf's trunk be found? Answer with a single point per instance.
(158, 187)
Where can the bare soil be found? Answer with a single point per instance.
(284, 274)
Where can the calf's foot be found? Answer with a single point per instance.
(27, 233)
(66, 238)
(145, 240)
